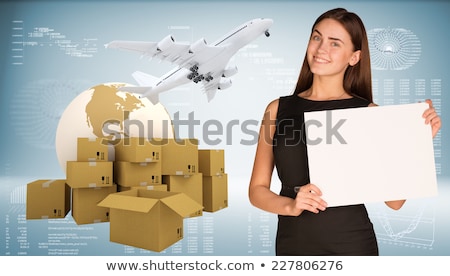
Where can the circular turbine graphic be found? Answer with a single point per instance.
(393, 49)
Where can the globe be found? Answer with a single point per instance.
(105, 112)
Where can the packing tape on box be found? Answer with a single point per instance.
(143, 164)
(92, 185)
(92, 139)
(47, 184)
(143, 183)
(92, 164)
(148, 159)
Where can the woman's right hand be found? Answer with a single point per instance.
(308, 198)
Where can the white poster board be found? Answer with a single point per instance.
(371, 154)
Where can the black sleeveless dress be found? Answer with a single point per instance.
(345, 230)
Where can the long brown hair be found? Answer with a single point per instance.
(357, 78)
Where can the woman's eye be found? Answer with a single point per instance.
(335, 44)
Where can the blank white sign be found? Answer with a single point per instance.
(371, 154)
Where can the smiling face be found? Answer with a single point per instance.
(330, 49)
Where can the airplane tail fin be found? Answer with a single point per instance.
(153, 97)
(146, 83)
(145, 91)
(144, 79)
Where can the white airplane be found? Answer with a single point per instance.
(197, 62)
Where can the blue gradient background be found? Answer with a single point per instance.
(50, 79)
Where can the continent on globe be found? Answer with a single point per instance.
(104, 112)
(108, 107)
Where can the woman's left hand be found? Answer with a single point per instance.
(432, 118)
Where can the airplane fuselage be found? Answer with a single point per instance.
(232, 43)
(197, 62)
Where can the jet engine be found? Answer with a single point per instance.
(229, 71)
(165, 43)
(224, 84)
(198, 46)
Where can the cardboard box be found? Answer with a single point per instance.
(137, 149)
(211, 162)
(215, 192)
(84, 204)
(47, 199)
(91, 150)
(160, 187)
(130, 174)
(191, 185)
(179, 156)
(89, 174)
(151, 220)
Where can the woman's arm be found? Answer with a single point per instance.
(260, 194)
(395, 204)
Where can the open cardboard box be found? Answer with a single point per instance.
(151, 220)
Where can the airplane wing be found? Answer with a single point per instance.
(216, 83)
(184, 55)
(210, 90)
(192, 57)
(145, 48)
(166, 49)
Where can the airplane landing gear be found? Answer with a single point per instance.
(194, 68)
(196, 77)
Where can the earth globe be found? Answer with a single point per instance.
(107, 111)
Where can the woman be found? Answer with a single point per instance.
(335, 74)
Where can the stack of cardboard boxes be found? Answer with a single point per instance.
(215, 180)
(145, 193)
(180, 168)
(148, 213)
(91, 180)
(138, 164)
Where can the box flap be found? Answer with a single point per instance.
(125, 201)
(182, 204)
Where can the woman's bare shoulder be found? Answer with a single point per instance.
(272, 109)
